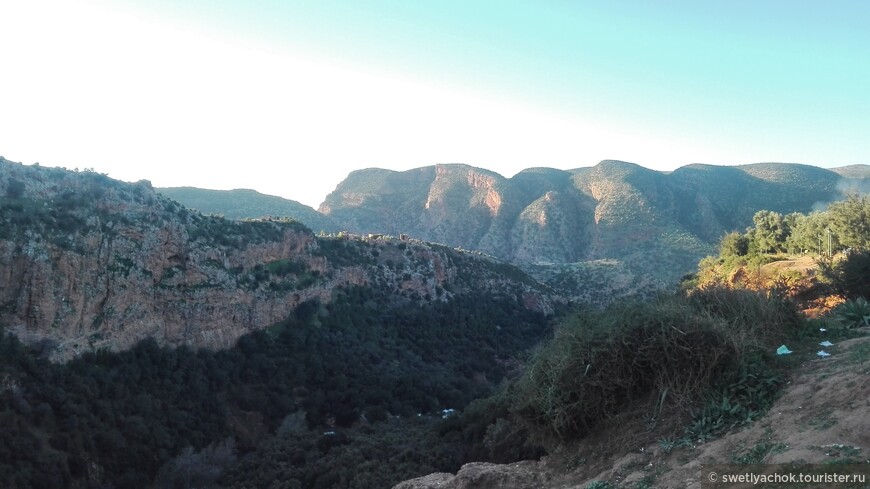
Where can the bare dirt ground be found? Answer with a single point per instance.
(800, 277)
(822, 416)
(804, 264)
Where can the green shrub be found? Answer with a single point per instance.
(849, 276)
(741, 396)
(753, 320)
(853, 313)
(285, 267)
(675, 351)
(599, 362)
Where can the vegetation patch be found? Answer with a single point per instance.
(758, 453)
(285, 266)
(124, 419)
(675, 352)
(854, 313)
(833, 242)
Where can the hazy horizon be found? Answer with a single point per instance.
(287, 98)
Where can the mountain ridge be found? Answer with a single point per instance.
(658, 223)
(651, 224)
(244, 203)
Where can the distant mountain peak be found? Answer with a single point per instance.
(615, 210)
(658, 224)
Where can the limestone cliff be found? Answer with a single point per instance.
(578, 230)
(653, 225)
(87, 262)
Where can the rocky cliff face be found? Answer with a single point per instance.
(657, 225)
(463, 206)
(591, 227)
(87, 262)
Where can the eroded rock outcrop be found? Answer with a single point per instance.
(87, 262)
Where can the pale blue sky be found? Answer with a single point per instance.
(287, 97)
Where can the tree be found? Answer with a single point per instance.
(806, 230)
(734, 244)
(770, 232)
(850, 221)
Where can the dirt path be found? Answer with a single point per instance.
(822, 417)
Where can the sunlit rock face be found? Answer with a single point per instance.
(653, 225)
(87, 262)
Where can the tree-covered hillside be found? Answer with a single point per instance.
(123, 419)
(245, 203)
(191, 340)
